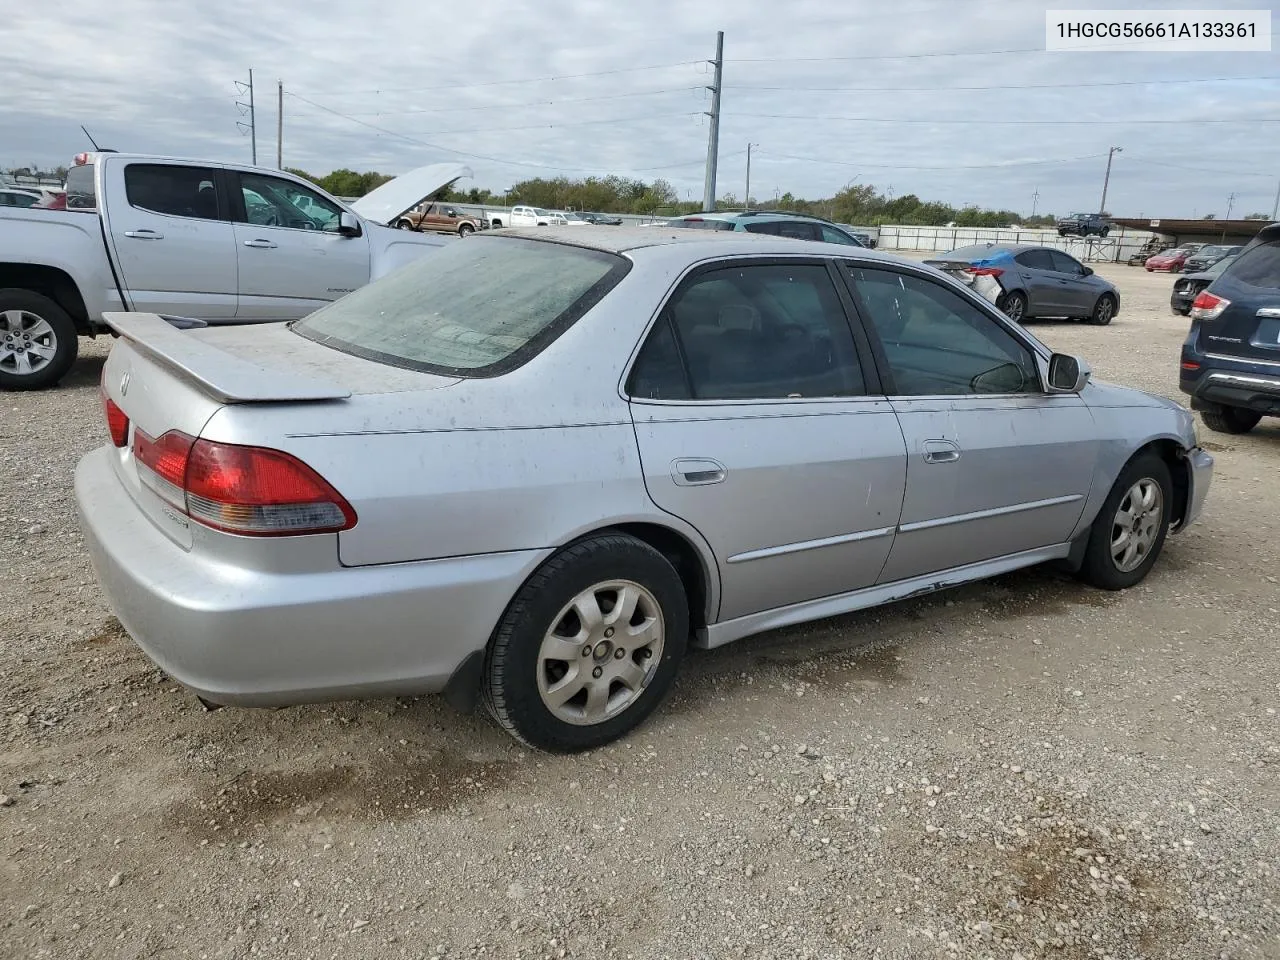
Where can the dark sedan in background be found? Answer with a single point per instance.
(1207, 256)
(1188, 286)
(602, 219)
(1028, 282)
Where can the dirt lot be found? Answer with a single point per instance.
(1023, 768)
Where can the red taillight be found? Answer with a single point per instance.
(1208, 306)
(1190, 365)
(261, 492)
(165, 461)
(117, 422)
(985, 271)
(253, 491)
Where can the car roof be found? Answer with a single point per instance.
(709, 243)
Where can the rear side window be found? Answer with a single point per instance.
(1035, 259)
(178, 191)
(81, 193)
(1257, 267)
(831, 235)
(478, 308)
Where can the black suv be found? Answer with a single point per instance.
(1231, 357)
(1083, 224)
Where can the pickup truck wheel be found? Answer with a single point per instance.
(38, 341)
(465, 229)
(404, 225)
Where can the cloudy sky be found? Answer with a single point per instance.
(903, 95)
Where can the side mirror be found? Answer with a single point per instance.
(348, 224)
(1087, 271)
(451, 212)
(1067, 374)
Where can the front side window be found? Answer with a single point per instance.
(1065, 264)
(470, 309)
(937, 343)
(755, 332)
(172, 189)
(275, 202)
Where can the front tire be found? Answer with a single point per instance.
(1224, 419)
(589, 646)
(1103, 310)
(465, 229)
(38, 341)
(404, 225)
(1130, 529)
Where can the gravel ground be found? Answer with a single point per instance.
(1022, 768)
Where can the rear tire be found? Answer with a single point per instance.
(1015, 306)
(1103, 310)
(38, 340)
(1224, 419)
(1129, 532)
(615, 672)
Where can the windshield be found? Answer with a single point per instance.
(477, 309)
(1217, 268)
(1211, 251)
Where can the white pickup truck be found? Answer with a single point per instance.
(187, 239)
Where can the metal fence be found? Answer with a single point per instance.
(1114, 248)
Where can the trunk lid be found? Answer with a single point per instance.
(387, 203)
(1249, 326)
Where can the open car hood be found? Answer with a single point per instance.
(401, 194)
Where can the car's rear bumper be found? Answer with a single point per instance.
(267, 637)
(1230, 381)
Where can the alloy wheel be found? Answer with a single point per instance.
(1136, 525)
(27, 342)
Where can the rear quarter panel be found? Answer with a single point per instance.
(67, 241)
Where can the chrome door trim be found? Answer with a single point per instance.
(1223, 356)
(803, 545)
(987, 514)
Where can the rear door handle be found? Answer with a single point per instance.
(1269, 311)
(143, 234)
(940, 451)
(260, 244)
(697, 473)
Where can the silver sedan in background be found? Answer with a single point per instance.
(533, 469)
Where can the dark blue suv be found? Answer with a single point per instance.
(1231, 357)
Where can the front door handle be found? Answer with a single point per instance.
(143, 234)
(697, 473)
(940, 451)
(260, 244)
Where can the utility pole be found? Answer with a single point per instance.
(747, 201)
(1035, 199)
(1275, 207)
(279, 124)
(1231, 201)
(246, 109)
(713, 133)
(1106, 180)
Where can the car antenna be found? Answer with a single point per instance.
(91, 140)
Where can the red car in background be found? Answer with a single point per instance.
(1172, 260)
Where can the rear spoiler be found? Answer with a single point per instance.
(224, 376)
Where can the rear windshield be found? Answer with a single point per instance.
(1210, 251)
(978, 252)
(474, 308)
(1258, 266)
(80, 189)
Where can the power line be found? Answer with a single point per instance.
(949, 166)
(969, 121)
(499, 83)
(463, 153)
(1004, 86)
(1178, 166)
(528, 103)
(572, 123)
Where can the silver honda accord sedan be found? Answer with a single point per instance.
(533, 469)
